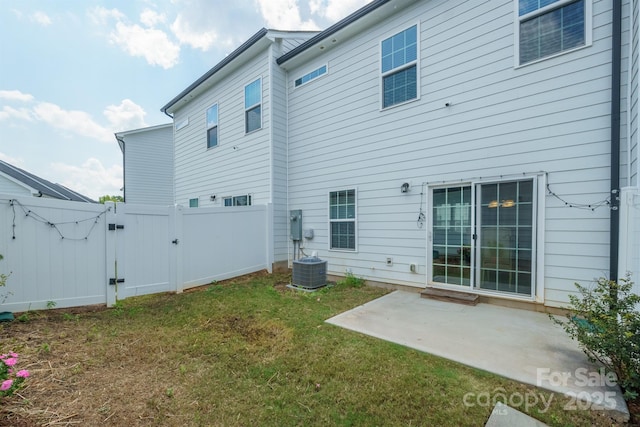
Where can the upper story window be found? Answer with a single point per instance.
(212, 126)
(548, 27)
(311, 76)
(399, 59)
(252, 106)
(342, 220)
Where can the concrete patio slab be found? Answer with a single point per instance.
(505, 416)
(518, 344)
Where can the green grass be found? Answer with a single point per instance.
(246, 353)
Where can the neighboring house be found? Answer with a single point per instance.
(147, 157)
(465, 145)
(230, 132)
(19, 182)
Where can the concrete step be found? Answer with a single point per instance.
(450, 296)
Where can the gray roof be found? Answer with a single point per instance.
(233, 55)
(332, 29)
(46, 188)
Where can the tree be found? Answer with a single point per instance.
(108, 198)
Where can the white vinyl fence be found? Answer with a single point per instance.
(72, 254)
(629, 259)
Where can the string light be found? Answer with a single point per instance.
(55, 225)
(591, 207)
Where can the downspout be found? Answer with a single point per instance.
(124, 160)
(616, 69)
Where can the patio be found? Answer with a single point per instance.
(518, 344)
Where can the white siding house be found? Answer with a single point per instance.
(230, 132)
(147, 155)
(443, 143)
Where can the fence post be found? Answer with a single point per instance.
(176, 218)
(269, 237)
(110, 258)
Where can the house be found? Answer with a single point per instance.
(19, 182)
(230, 132)
(147, 157)
(464, 145)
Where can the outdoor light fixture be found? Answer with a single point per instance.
(404, 187)
(213, 197)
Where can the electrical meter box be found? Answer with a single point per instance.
(295, 221)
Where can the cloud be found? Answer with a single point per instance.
(186, 33)
(151, 44)
(284, 15)
(335, 10)
(77, 122)
(41, 18)
(12, 160)
(150, 18)
(199, 25)
(91, 178)
(15, 95)
(147, 42)
(102, 16)
(126, 116)
(12, 113)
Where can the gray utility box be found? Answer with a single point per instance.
(309, 273)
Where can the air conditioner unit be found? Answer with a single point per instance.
(309, 273)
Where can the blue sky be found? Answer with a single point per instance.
(73, 72)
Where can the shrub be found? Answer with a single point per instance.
(352, 281)
(3, 283)
(606, 323)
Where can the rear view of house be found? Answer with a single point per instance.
(464, 145)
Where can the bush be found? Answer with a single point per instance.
(605, 321)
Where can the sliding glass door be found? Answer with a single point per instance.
(482, 236)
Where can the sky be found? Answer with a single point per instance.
(74, 72)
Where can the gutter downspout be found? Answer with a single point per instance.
(616, 69)
(124, 160)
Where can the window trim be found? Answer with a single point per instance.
(588, 29)
(216, 126)
(415, 63)
(354, 220)
(311, 79)
(252, 106)
(538, 232)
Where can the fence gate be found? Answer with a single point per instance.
(141, 246)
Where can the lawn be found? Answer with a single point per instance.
(246, 352)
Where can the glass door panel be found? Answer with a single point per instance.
(505, 224)
(451, 235)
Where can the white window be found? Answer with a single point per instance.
(342, 220)
(252, 106)
(399, 67)
(212, 126)
(311, 76)
(483, 236)
(244, 200)
(193, 203)
(549, 27)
